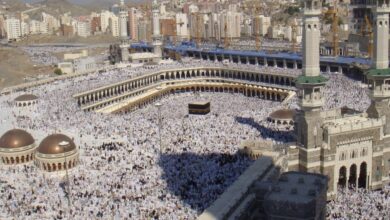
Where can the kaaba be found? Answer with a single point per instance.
(199, 108)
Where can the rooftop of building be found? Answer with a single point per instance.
(298, 187)
(190, 47)
(378, 72)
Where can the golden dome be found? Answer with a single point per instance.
(53, 144)
(16, 138)
(26, 97)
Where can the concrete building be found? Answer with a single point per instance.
(3, 32)
(261, 25)
(66, 30)
(83, 28)
(168, 27)
(114, 26)
(231, 20)
(105, 17)
(84, 65)
(182, 26)
(133, 24)
(144, 30)
(96, 26)
(13, 29)
(351, 148)
(299, 195)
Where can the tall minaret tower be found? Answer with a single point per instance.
(156, 30)
(123, 20)
(378, 76)
(123, 32)
(310, 85)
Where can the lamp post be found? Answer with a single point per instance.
(159, 105)
(64, 145)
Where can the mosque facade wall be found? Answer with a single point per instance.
(17, 156)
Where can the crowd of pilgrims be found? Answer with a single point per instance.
(124, 172)
(45, 55)
(360, 204)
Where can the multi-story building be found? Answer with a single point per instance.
(231, 24)
(358, 10)
(35, 27)
(52, 23)
(24, 28)
(182, 26)
(144, 30)
(114, 25)
(67, 30)
(3, 32)
(13, 29)
(105, 17)
(133, 24)
(168, 27)
(83, 28)
(96, 25)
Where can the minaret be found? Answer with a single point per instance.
(156, 30)
(123, 32)
(378, 76)
(310, 85)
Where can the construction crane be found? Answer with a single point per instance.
(226, 38)
(257, 10)
(333, 14)
(294, 35)
(368, 32)
(199, 22)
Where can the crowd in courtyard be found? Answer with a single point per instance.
(127, 173)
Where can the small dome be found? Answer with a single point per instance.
(16, 138)
(53, 144)
(283, 114)
(26, 97)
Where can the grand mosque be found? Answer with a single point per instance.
(332, 148)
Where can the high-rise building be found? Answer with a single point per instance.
(133, 24)
(144, 30)
(13, 29)
(105, 17)
(182, 26)
(2, 26)
(231, 24)
(96, 25)
(168, 26)
(84, 28)
(114, 25)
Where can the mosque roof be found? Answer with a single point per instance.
(52, 144)
(16, 138)
(311, 79)
(378, 72)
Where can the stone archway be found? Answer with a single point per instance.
(362, 181)
(342, 177)
(352, 176)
